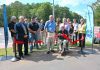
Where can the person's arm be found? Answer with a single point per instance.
(15, 29)
(78, 28)
(46, 25)
(38, 27)
(31, 31)
(11, 28)
(59, 32)
(66, 32)
(45, 28)
(84, 28)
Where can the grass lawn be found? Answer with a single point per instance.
(9, 50)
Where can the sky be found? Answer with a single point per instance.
(78, 6)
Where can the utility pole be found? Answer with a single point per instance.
(53, 10)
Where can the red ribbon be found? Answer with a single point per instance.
(67, 38)
(18, 41)
(22, 42)
(40, 41)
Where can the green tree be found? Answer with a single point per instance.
(41, 10)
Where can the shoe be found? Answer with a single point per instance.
(59, 51)
(27, 54)
(14, 59)
(48, 52)
(22, 57)
(63, 53)
(31, 51)
(19, 58)
(53, 51)
(81, 52)
(78, 46)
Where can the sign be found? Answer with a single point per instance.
(89, 25)
(5, 25)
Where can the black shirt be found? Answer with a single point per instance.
(11, 27)
(34, 26)
(71, 30)
(42, 26)
(62, 32)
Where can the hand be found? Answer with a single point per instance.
(59, 34)
(12, 30)
(25, 36)
(82, 38)
(33, 32)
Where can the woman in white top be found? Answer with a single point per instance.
(75, 25)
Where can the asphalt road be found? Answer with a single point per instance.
(2, 39)
(43, 61)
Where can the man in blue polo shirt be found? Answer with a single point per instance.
(50, 27)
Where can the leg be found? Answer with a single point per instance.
(14, 47)
(48, 45)
(60, 45)
(36, 39)
(76, 36)
(26, 47)
(20, 50)
(63, 53)
(64, 45)
(80, 36)
(52, 43)
(83, 42)
(31, 42)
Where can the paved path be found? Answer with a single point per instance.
(42, 61)
(2, 40)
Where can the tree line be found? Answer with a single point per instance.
(97, 13)
(40, 10)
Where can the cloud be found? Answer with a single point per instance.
(74, 3)
(69, 2)
(82, 13)
(78, 6)
(9, 1)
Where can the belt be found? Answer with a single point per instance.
(50, 32)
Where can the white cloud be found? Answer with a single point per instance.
(73, 3)
(82, 13)
(9, 1)
(78, 6)
(69, 2)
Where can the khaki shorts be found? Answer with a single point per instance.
(50, 34)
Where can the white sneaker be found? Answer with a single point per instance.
(14, 59)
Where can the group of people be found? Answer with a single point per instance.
(28, 33)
